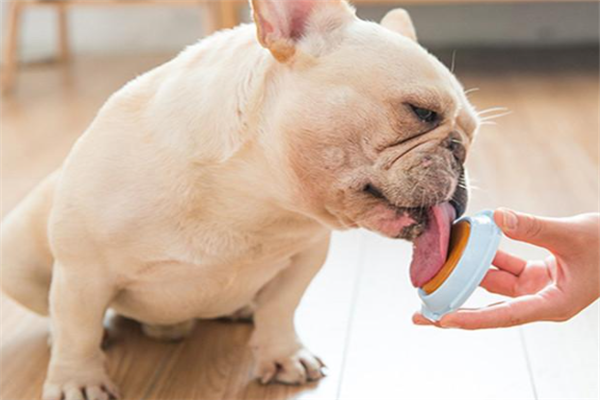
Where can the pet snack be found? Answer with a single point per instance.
(472, 246)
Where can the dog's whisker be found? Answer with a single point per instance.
(492, 109)
(477, 189)
(500, 114)
(495, 116)
(469, 91)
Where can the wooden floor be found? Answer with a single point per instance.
(541, 158)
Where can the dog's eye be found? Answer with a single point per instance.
(424, 114)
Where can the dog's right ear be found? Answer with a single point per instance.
(400, 22)
(280, 24)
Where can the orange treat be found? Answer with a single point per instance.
(459, 236)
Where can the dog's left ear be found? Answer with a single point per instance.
(399, 21)
(280, 24)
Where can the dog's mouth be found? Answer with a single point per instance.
(429, 230)
(430, 235)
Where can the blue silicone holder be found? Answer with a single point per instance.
(475, 261)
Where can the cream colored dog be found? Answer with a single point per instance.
(209, 186)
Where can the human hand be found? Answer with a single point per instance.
(554, 289)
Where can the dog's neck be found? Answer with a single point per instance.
(203, 101)
(206, 109)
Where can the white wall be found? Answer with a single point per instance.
(112, 30)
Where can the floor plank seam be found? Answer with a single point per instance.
(528, 362)
(353, 303)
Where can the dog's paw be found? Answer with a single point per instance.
(295, 369)
(90, 388)
(169, 333)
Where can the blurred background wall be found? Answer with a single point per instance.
(158, 29)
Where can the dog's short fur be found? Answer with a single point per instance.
(211, 184)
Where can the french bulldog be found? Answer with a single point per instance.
(210, 185)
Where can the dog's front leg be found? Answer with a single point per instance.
(79, 298)
(279, 354)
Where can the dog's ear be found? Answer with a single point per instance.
(399, 21)
(280, 24)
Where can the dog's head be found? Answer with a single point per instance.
(374, 129)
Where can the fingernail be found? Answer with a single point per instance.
(510, 220)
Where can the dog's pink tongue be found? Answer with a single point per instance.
(431, 248)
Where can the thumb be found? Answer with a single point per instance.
(549, 233)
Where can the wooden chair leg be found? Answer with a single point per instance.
(229, 13)
(211, 17)
(11, 44)
(63, 34)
